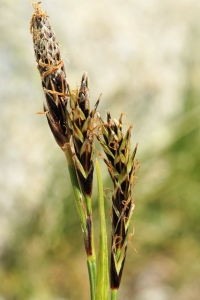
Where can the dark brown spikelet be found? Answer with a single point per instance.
(122, 168)
(53, 76)
(82, 122)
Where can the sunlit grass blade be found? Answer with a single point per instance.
(102, 284)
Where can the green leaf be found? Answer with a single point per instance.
(102, 283)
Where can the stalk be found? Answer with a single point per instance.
(114, 293)
(86, 222)
(90, 248)
(91, 263)
(102, 283)
(75, 186)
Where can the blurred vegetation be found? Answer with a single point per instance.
(43, 258)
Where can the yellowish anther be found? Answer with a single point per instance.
(38, 9)
(42, 112)
(37, 13)
(56, 93)
(52, 68)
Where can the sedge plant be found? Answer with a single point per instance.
(75, 127)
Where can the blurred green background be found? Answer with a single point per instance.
(144, 57)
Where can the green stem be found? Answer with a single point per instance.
(91, 263)
(114, 294)
(83, 214)
(76, 189)
(91, 257)
(88, 205)
(102, 282)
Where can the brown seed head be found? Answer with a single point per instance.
(82, 120)
(122, 167)
(52, 71)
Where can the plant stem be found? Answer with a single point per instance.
(84, 215)
(102, 283)
(75, 186)
(91, 263)
(91, 255)
(114, 294)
